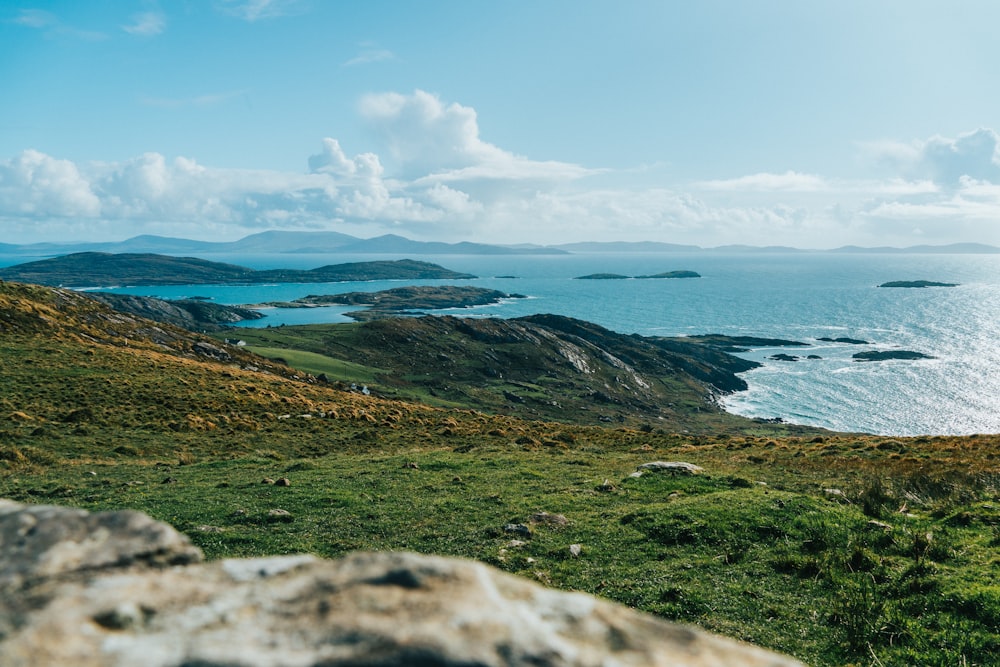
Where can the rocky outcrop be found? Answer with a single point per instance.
(191, 314)
(118, 589)
(885, 355)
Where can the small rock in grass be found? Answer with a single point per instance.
(549, 519)
(676, 467)
(518, 529)
(283, 481)
(575, 550)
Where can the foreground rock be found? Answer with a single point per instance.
(117, 589)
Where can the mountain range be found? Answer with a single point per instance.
(335, 242)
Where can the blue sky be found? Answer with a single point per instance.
(813, 124)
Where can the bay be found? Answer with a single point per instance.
(800, 296)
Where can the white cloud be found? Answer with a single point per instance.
(51, 24)
(146, 24)
(437, 142)
(437, 178)
(256, 10)
(36, 18)
(790, 181)
(370, 53)
(35, 185)
(944, 160)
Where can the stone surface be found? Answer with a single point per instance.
(675, 467)
(300, 611)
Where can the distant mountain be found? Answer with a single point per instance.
(292, 242)
(757, 249)
(95, 269)
(626, 246)
(282, 242)
(952, 249)
(391, 243)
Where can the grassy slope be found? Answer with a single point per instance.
(539, 367)
(86, 420)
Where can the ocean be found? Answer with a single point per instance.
(798, 296)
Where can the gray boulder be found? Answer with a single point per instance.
(96, 597)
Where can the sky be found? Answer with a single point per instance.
(768, 122)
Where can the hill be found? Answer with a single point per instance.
(835, 548)
(96, 269)
(538, 367)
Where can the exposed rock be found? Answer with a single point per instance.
(549, 519)
(675, 467)
(844, 339)
(212, 351)
(783, 357)
(70, 598)
(876, 355)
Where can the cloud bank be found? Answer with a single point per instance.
(433, 176)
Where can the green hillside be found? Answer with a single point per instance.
(840, 549)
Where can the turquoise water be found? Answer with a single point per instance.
(797, 296)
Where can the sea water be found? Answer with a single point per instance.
(797, 296)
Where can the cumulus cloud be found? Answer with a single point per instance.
(942, 159)
(35, 185)
(438, 142)
(436, 177)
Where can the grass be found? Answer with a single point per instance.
(320, 364)
(839, 549)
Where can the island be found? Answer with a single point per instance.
(618, 276)
(98, 269)
(408, 301)
(876, 355)
(917, 284)
(848, 341)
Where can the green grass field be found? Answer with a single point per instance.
(839, 549)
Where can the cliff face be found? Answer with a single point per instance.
(119, 589)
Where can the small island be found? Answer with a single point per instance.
(399, 301)
(876, 355)
(917, 284)
(845, 340)
(618, 276)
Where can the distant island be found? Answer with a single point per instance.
(98, 269)
(618, 276)
(400, 300)
(916, 284)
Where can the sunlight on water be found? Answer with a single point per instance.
(793, 296)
